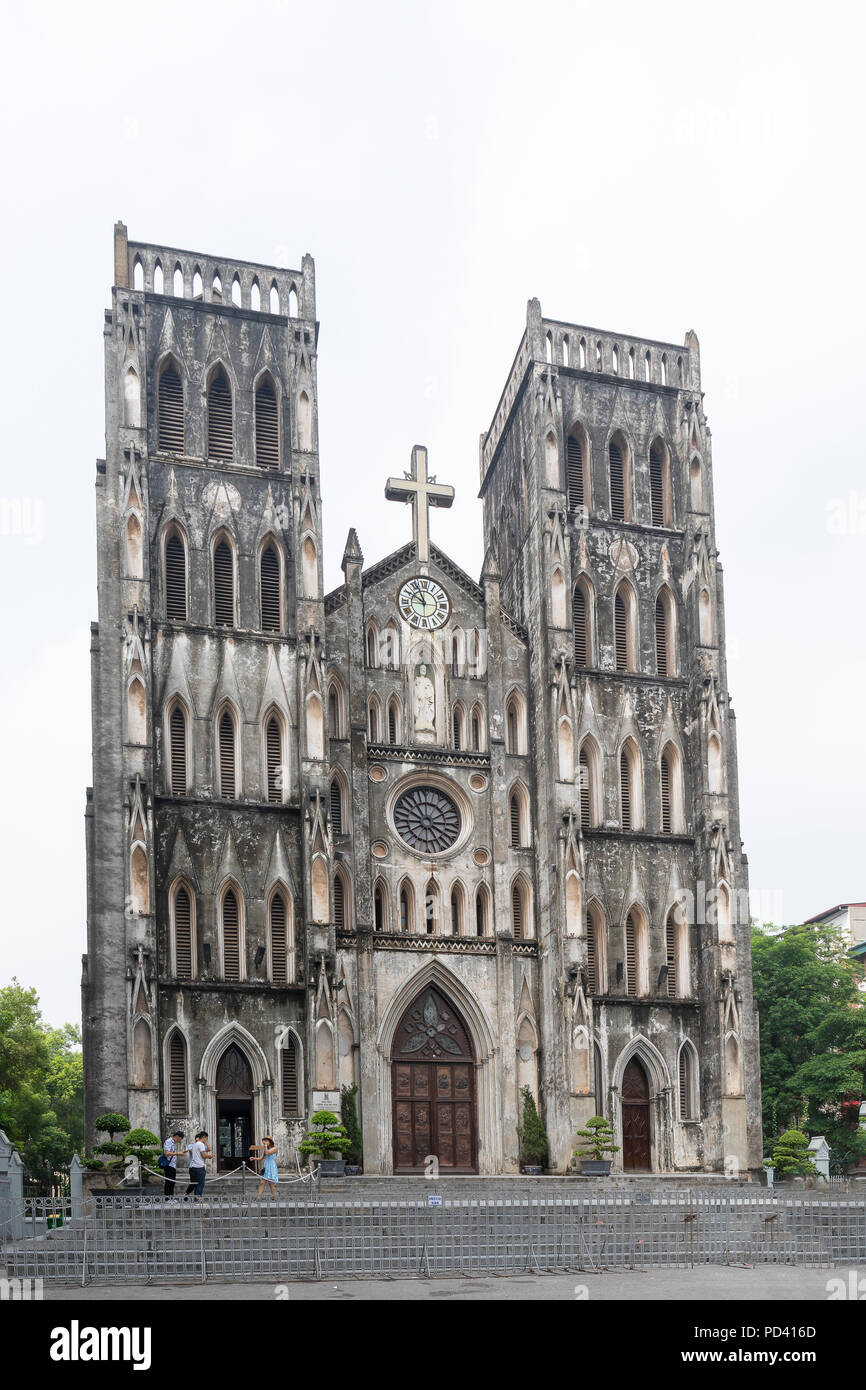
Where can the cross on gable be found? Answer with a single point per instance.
(423, 493)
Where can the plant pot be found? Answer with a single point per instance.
(595, 1167)
(332, 1167)
(533, 1170)
(352, 1170)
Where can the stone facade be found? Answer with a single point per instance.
(442, 859)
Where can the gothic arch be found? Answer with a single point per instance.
(688, 1082)
(482, 1035)
(173, 1082)
(336, 705)
(660, 1103)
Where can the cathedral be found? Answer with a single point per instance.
(437, 837)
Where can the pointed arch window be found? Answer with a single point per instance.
(138, 274)
(590, 789)
(521, 926)
(374, 716)
(393, 720)
(624, 622)
(665, 787)
(223, 583)
(269, 584)
(170, 411)
(158, 279)
(482, 910)
(617, 483)
(431, 908)
(671, 791)
(518, 812)
(220, 429)
(577, 458)
(175, 577)
(714, 764)
(197, 284)
(581, 615)
(659, 484)
(280, 936)
(705, 618)
(274, 300)
(267, 425)
(227, 741)
(231, 936)
(255, 297)
(515, 725)
(336, 708)
(341, 900)
(596, 954)
(336, 806)
(625, 789)
(290, 1079)
(177, 747)
(457, 726)
(183, 925)
(636, 963)
(406, 915)
(177, 1074)
(275, 767)
(665, 633)
(671, 956)
(477, 730)
(372, 645)
(379, 914)
(456, 910)
(687, 1079)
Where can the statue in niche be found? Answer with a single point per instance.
(424, 704)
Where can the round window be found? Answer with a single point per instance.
(427, 819)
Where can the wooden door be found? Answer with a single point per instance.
(433, 1083)
(635, 1118)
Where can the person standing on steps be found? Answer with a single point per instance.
(171, 1149)
(269, 1171)
(199, 1152)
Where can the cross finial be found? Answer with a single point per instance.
(422, 493)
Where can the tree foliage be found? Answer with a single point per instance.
(349, 1116)
(531, 1131)
(813, 1036)
(41, 1084)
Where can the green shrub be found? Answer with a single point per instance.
(349, 1116)
(326, 1135)
(597, 1139)
(111, 1123)
(791, 1154)
(531, 1132)
(115, 1150)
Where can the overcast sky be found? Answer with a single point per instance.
(646, 168)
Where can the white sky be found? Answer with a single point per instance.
(644, 167)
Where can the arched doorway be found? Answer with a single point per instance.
(234, 1098)
(635, 1118)
(433, 1088)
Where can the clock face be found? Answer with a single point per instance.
(423, 603)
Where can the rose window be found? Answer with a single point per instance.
(427, 819)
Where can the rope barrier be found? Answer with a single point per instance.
(231, 1173)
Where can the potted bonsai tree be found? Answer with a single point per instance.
(532, 1135)
(790, 1157)
(327, 1140)
(596, 1140)
(349, 1116)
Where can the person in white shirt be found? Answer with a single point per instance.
(199, 1151)
(171, 1149)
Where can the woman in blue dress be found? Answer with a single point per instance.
(269, 1172)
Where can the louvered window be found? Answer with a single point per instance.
(686, 1084)
(657, 496)
(455, 913)
(620, 618)
(279, 941)
(177, 1075)
(517, 912)
(515, 821)
(274, 748)
(671, 956)
(476, 732)
(666, 793)
(182, 935)
(625, 789)
(231, 937)
(457, 725)
(631, 954)
(591, 957)
(617, 484)
(223, 584)
(578, 614)
(170, 404)
(661, 637)
(336, 808)
(177, 731)
(290, 1079)
(267, 426)
(269, 577)
(379, 907)
(575, 474)
(404, 910)
(585, 791)
(227, 755)
(339, 901)
(392, 724)
(220, 443)
(175, 579)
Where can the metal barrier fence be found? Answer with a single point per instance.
(149, 1239)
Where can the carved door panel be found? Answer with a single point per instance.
(635, 1118)
(433, 1092)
